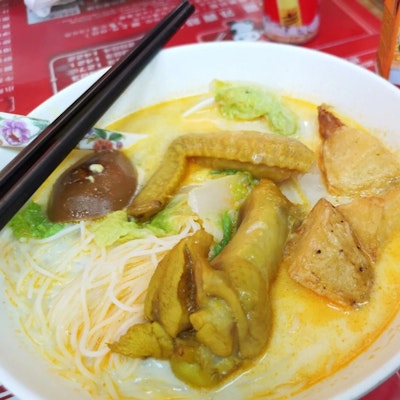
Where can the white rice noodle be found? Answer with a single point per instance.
(73, 297)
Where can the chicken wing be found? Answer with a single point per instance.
(263, 155)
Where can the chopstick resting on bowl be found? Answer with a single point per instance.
(29, 169)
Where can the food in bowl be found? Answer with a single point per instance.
(109, 297)
(80, 307)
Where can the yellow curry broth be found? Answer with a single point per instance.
(165, 121)
(311, 338)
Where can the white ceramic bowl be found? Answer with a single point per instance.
(185, 70)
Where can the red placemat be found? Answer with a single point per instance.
(40, 56)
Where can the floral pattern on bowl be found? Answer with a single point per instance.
(18, 131)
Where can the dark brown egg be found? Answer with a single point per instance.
(100, 183)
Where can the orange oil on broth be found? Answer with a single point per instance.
(311, 339)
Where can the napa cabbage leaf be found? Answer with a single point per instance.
(249, 102)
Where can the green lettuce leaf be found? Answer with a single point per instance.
(250, 102)
(32, 222)
(117, 227)
(228, 222)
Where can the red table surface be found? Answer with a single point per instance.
(41, 56)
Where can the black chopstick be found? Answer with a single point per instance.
(28, 170)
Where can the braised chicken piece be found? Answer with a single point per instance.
(326, 256)
(210, 317)
(354, 162)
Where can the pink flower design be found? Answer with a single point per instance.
(14, 132)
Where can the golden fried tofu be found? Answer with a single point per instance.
(326, 256)
(354, 162)
(374, 219)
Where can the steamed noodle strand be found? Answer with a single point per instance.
(75, 297)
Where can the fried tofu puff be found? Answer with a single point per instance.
(325, 255)
(354, 162)
(374, 219)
